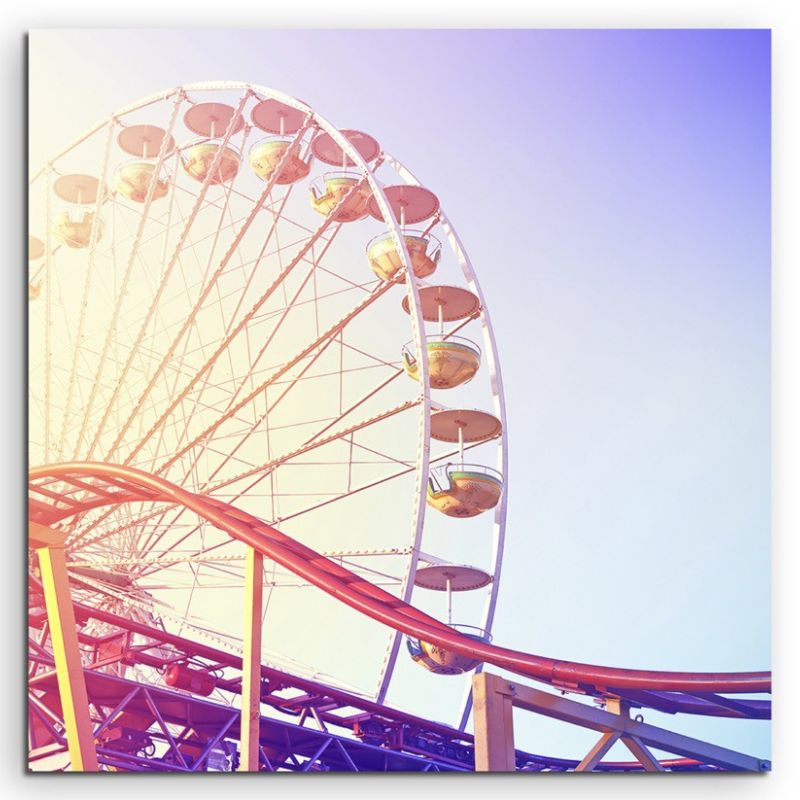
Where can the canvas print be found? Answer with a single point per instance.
(399, 401)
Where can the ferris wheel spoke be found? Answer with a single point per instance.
(327, 337)
(315, 262)
(262, 470)
(252, 428)
(254, 369)
(252, 274)
(388, 459)
(238, 365)
(281, 277)
(48, 270)
(176, 190)
(288, 307)
(179, 374)
(242, 294)
(127, 275)
(227, 340)
(266, 470)
(177, 364)
(165, 278)
(369, 395)
(254, 361)
(90, 264)
(315, 441)
(255, 425)
(365, 287)
(370, 485)
(82, 536)
(160, 529)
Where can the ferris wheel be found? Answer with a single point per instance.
(229, 292)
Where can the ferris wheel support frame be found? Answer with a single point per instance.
(418, 331)
(86, 284)
(422, 461)
(162, 153)
(189, 320)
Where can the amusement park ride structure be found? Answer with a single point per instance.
(218, 395)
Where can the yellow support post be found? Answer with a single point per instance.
(251, 661)
(494, 724)
(49, 546)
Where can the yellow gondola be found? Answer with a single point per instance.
(441, 661)
(329, 190)
(267, 154)
(198, 157)
(74, 228)
(385, 261)
(451, 362)
(464, 490)
(132, 180)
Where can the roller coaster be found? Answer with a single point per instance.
(176, 300)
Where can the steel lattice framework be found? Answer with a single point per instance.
(62, 492)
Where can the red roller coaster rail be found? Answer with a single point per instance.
(59, 492)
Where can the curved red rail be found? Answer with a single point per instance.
(126, 484)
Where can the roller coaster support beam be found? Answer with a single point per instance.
(494, 724)
(251, 661)
(495, 698)
(49, 547)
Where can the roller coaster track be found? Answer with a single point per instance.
(116, 485)
(58, 492)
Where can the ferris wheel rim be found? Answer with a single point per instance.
(412, 300)
(498, 396)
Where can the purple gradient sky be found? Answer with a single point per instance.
(613, 191)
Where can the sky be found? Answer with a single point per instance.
(613, 191)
